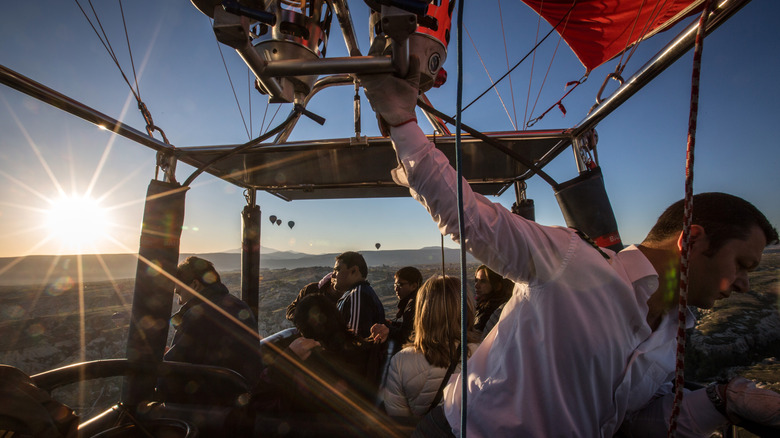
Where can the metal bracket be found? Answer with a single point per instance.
(584, 148)
(399, 25)
(167, 163)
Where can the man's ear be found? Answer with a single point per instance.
(355, 270)
(698, 237)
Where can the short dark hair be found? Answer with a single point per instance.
(722, 216)
(410, 274)
(196, 268)
(352, 258)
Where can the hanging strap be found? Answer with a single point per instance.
(440, 392)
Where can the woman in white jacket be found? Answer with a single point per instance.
(417, 371)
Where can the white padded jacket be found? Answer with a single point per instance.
(412, 383)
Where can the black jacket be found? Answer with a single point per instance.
(402, 326)
(361, 309)
(203, 335)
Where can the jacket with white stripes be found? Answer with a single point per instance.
(361, 308)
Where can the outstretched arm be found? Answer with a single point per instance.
(506, 242)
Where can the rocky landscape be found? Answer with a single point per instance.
(49, 326)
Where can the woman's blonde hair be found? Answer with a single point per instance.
(437, 320)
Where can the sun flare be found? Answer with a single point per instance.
(78, 223)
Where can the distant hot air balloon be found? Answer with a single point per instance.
(291, 224)
(272, 218)
(378, 245)
(278, 222)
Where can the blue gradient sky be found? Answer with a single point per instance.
(185, 86)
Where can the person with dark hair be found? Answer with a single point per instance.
(327, 370)
(587, 341)
(416, 372)
(358, 304)
(407, 281)
(324, 286)
(212, 327)
(491, 291)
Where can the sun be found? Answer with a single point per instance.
(78, 222)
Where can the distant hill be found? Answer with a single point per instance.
(51, 269)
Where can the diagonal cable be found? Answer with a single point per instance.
(536, 46)
(232, 88)
(501, 99)
(506, 55)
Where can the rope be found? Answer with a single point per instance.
(232, 88)
(506, 56)
(533, 69)
(461, 228)
(679, 379)
(129, 50)
(559, 104)
(150, 126)
(106, 43)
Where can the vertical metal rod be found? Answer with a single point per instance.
(356, 108)
(250, 253)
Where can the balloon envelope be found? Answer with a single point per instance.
(272, 219)
(378, 245)
(291, 224)
(278, 222)
(598, 30)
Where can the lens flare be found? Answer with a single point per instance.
(78, 222)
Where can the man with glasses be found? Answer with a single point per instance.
(407, 280)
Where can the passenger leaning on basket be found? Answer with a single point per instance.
(324, 286)
(328, 375)
(416, 372)
(586, 343)
(212, 327)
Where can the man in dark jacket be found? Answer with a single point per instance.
(212, 327)
(359, 304)
(407, 280)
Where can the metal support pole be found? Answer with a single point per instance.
(356, 108)
(250, 253)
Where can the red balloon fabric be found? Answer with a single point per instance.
(599, 30)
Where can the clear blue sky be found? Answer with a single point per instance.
(185, 86)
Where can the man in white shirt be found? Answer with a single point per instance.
(586, 344)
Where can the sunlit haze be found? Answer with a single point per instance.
(78, 223)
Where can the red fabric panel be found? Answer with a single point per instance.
(598, 30)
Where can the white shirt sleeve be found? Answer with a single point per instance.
(494, 235)
(698, 417)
